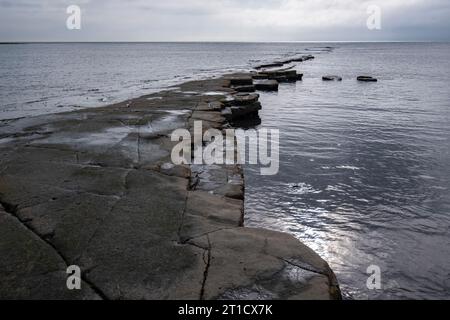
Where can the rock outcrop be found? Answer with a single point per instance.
(267, 85)
(96, 188)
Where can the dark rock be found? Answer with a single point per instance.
(291, 75)
(282, 75)
(308, 57)
(26, 262)
(242, 99)
(280, 79)
(244, 88)
(367, 79)
(331, 78)
(260, 76)
(250, 121)
(242, 111)
(270, 65)
(241, 81)
(299, 76)
(267, 85)
(297, 59)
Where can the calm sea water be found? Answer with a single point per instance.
(364, 174)
(42, 78)
(364, 177)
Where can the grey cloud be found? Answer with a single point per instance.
(224, 20)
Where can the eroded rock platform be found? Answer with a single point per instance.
(96, 188)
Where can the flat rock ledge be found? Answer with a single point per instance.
(96, 188)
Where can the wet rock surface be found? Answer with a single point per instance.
(97, 188)
(267, 85)
(331, 78)
(366, 79)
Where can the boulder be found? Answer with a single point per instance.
(267, 85)
(299, 76)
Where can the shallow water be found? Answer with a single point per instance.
(47, 78)
(364, 177)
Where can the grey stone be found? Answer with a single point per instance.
(270, 65)
(241, 81)
(244, 88)
(331, 78)
(367, 79)
(30, 268)
(244, 99)
(96, 188)
(267, 85)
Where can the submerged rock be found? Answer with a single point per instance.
(367, 79)
(296, 59)
(331, 78)
(267, 85)
(308, 57)
(270, 65)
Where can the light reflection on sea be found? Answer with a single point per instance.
(364, 176)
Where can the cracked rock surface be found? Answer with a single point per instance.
(96, 188)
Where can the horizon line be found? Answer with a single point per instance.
(231, 41)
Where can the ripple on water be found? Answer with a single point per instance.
(364, 174)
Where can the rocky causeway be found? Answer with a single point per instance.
(96, 188)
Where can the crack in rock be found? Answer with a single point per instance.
(12, 210)
(207, 261)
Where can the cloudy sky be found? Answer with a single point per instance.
(225, 20)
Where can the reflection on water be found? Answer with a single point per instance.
(364, 177)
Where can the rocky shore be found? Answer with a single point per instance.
(96, 188)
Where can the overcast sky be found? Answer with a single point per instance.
(225, 20)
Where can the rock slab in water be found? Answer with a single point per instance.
(242, 99)
(241, 81)
(270, 65)
(267, 85)
(331, 78)
(367, 79)
(249, 88)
